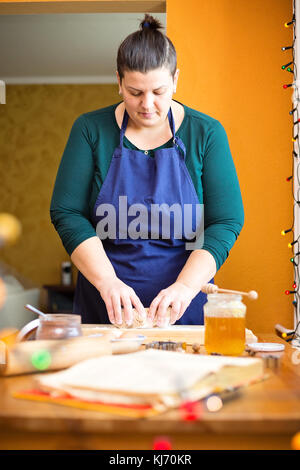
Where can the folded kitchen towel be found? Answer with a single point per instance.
(151, 377)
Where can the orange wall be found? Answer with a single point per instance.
(229, 55)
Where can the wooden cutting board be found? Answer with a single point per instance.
(178, 333)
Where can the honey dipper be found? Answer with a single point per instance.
(212, 289)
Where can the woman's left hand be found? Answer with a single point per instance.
(178, 296)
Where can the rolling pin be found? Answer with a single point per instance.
(46, 355)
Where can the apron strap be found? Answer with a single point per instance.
(123, 127)
(171, 122)
(176, 140)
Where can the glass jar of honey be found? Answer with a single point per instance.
(225, 324)
(59, 326)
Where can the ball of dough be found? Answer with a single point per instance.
(140, 322)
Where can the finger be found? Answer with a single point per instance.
(162, 311)
(138, 306)
(175, 311)
(110, 311)
(117, 309)
(127, 309)
(153, 307)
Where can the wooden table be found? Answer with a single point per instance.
(265, 416)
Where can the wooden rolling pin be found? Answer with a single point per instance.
(212, 289)
(46, 355)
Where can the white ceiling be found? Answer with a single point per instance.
(63, 48)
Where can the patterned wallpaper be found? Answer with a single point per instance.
(34, 127)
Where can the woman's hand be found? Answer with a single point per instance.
(115, 294)
(178, 296)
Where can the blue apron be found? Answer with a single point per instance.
(148, 265)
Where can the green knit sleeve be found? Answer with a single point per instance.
(223, 206)
(69, 209)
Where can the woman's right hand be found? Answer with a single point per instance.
(116, 294)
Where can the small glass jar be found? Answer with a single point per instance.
(225, 324)
(59, 326)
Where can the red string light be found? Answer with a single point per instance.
(288, 292)
(162, 443)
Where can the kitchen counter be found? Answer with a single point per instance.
(265, 416)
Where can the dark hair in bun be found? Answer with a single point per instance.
(147, 49)
(150, 22)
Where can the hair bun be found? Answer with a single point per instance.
(150, 23)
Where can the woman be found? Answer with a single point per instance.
(121, 164)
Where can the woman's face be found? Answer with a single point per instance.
(147, 96)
